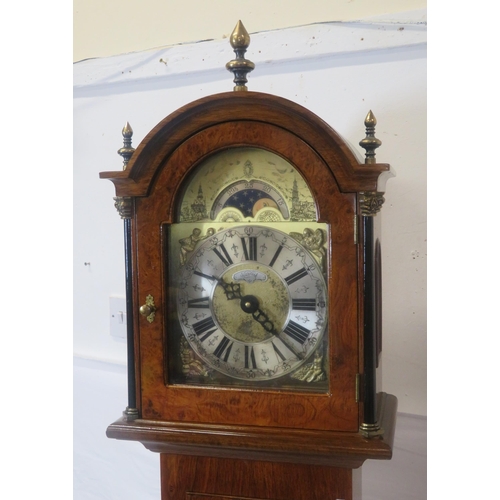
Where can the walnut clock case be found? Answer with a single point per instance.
(253, 299)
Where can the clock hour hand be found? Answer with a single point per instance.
(231, 290)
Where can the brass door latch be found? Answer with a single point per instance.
(148, 309)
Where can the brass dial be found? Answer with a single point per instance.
(252, 302)
(246, 184)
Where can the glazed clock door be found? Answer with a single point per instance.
(248, 261)
(251, 304)
(254, 270)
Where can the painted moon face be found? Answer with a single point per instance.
(263, 203)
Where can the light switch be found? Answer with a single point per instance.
(118, 317)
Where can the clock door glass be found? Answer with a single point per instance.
(246, 283)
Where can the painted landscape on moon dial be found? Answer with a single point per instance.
(224, 185)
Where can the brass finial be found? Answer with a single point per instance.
(240, 40)
(127, 150)
(370, 143)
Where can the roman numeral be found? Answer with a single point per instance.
(203, 325)
(296, 276)
(250, 357)
(208, 334)
(304, 304)
(250, 252)
(226, 357)
(225, 258)
(297, 332)
(199, 303)
(206, 276)
(275, 256)
(221, 348)
(278, 352)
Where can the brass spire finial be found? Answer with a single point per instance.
(370, 143)
(240, 40)
(127, 150)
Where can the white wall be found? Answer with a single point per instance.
(109, 27)
(339, 71)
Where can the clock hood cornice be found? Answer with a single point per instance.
(159, 144)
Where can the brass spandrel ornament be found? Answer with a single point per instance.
(191, 365)
(313, 240)
(311, 372)
(188, 243)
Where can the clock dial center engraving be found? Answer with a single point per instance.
(268, 295)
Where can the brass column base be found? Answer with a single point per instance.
(371, 430)
(131, 413)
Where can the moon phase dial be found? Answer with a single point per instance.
(252, 303)
(249, 198)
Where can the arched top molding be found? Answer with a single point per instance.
(160, 143)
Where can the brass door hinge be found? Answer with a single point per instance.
(355, 229)
(359, 386)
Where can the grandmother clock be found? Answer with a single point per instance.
(253, 299)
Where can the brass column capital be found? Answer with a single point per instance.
(124, 205)
(371, 202)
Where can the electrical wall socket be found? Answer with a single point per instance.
(118, 317)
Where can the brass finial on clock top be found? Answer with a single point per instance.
(370, 143)
(127, 150)
(124, 203)
(240, 40)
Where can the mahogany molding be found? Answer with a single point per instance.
(350, 175)
(337, 449)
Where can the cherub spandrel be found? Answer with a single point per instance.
(189, 243)
(314, 241)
